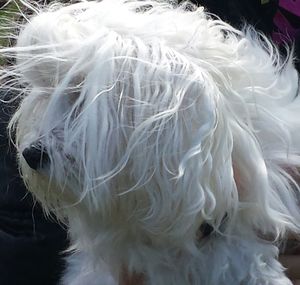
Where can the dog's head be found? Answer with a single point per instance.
(147, 112)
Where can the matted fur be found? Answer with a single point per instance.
(158, 118)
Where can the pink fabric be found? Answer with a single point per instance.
(292, 6)
(284, 26)
(286, 32)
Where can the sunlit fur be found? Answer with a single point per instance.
(158, 118)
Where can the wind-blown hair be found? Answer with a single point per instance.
(157, 118)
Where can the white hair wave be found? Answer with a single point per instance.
(158, 118)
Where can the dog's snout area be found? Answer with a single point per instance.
(36, 156)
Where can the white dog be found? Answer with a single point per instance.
(144, 120)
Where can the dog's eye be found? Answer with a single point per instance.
(72, 97)
(36, 155)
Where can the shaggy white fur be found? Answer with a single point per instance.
(155, 119)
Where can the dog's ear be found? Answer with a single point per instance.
(266, 186)
(46, 50)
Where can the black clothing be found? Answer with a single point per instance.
(258, 13)
(240, 12)
(30, 245)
